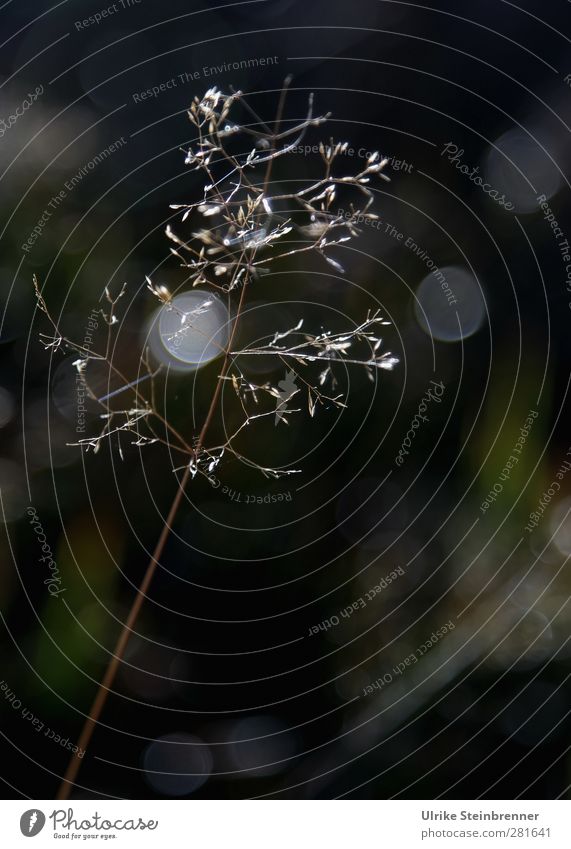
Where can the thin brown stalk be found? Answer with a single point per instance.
(244, 214)
(104, 688)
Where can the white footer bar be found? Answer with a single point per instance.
(288, 824)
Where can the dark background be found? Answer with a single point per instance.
(221, 651)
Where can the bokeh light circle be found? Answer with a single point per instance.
(450, 307)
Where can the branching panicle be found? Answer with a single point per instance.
(246, 227)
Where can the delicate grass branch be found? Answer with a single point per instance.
(244, 229)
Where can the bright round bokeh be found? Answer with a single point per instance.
(190, 331)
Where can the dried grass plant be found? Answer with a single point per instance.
(245, 229)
